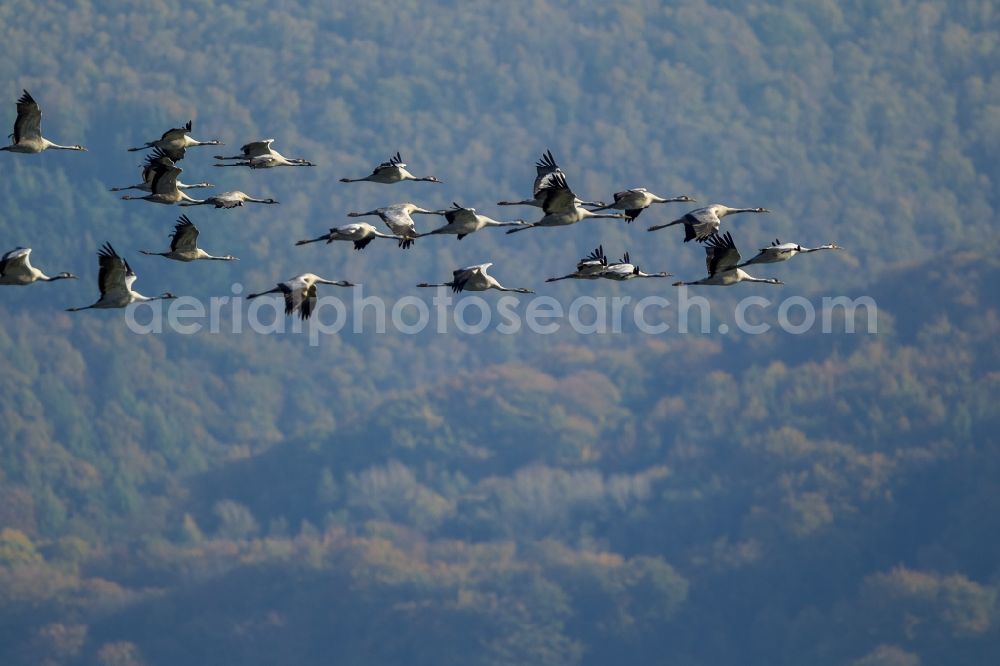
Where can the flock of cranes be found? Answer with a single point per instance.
(551, 193)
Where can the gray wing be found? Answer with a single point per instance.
(619, 271)
(557, 195)
(257, 148)
(461, 277)
(16, 262)
(227, 200)
(291, 297)
(308, 302)
(396, 217)
(165, 179)
(175, 153)
(29, 119)
(704, 222)
(176, 133)
(392, 163)
(185, 236)
(301, 298)
(546, 164)
(544, 168)
(721, 254)
(155, 161)
(115, 273)
(597, 256)
(459, 213)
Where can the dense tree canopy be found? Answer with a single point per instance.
(565, 498)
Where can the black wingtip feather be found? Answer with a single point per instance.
(558, 181)
(597, 255)
(107, 251)
(547, 161)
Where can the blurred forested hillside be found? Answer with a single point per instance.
(618, 498)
